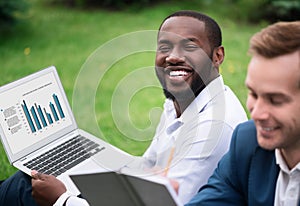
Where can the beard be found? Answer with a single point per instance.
(201, 78)
(191, 93)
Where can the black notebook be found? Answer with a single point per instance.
(115, 189)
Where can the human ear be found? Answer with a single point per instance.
(218, 56)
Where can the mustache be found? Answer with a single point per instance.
(182, 64)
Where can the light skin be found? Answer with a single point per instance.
(185, 61)
(274, 103)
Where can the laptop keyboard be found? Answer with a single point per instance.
(65, 156)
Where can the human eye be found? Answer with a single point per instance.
(164, 48)
(190, 44)
(252, 94)
(277, 101)
(191, 47)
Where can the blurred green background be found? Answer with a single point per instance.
(36, 34)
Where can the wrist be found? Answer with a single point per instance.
(62, 200)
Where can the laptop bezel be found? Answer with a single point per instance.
(13, 157)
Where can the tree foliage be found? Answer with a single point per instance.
(107, 4)
(10, 10)
(269, 10)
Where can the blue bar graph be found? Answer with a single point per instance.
(48, 117)
(41, 115)
(35, 118)
(61, 113)
(38, 116)
(30, 122)
(53, 111)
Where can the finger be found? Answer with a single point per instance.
(34, 174)
(37, 175)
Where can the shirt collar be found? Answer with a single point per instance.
(198, 105)
(282, 164)
(207, 94)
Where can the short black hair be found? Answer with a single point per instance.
(212, 29)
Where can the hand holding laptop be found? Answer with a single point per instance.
(39, 132)
(46, 189)
(44, 138)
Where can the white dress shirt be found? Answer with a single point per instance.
(201, 136)
(287, 191)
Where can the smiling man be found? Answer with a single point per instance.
(187, 60)
(200, 112)
(262, 166)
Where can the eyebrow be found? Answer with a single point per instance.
(190, 40)
(280, 95)
(269, 94)
(184, 40)
(164, 41)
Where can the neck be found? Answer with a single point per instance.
(291, 157)
(180, 106)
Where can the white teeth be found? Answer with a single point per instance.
(178, 73)
(268, 128)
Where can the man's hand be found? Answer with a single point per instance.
(46, 189)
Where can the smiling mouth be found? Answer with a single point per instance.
(178, 73)
(268, 129)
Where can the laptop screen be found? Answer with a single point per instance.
(32, 110)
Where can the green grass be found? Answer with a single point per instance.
(66, 38)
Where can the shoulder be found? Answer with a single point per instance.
(244, 139)
(235, 113)
(242, 148)
(225, 104)
(245, 130)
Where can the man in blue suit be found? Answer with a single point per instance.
(262, 166)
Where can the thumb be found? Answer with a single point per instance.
(36, 175)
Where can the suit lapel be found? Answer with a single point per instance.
(262, 178)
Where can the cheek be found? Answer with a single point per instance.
(202, 64)
(160, 74)
(160, 59)
(294, 114)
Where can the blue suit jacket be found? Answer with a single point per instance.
(246, 175)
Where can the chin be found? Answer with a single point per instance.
(266, 144)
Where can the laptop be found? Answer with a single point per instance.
(38, 131)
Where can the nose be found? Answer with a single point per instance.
(259, 110)
(175, 57)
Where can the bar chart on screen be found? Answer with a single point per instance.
(33, 110)
(39, 117)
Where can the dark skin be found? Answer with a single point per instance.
(46, 188)
(182, 47)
